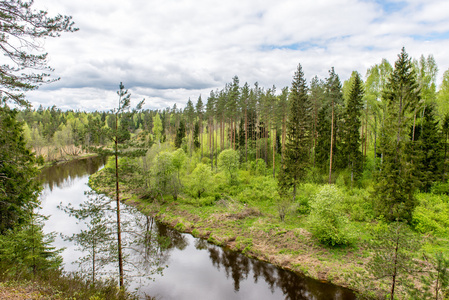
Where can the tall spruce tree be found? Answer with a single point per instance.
(335, 98)
(299, 135)
(429, 150)
(396, 182)
(352, 143)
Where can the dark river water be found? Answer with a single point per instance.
(164, 263)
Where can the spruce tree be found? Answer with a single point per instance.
(429, 149)
(18, 188)
(180, 134)
(396, 182)
(297, 148)
(323, 145)
(352, 142)
(335, 99)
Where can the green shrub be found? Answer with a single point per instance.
(432, 214)
(305, 193)
(205, 160)
(358, 205)
(327, 222)
(440, 188)
(207, 201)
(258, 167)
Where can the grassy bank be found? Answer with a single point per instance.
(55, 285)
(255, 229)
(245, 213)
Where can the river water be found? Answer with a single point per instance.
(164, 263)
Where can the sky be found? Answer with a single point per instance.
(168, 51)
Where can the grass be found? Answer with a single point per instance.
(247, 220)
(51, 285)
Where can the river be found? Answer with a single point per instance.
(166, 264)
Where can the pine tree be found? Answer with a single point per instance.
(396, 182)
(299, 135)
(210, 112)
(352, 143)
(200, 113)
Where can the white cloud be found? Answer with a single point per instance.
(169, 50)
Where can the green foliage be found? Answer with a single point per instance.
(327, 222)
(351, 138)
(358, 205)
(429, 150)
(306, 194)
(432, 214)
(180, 134)
(299, 136)
(259, 167)
(440, 188)
(163, 172)
(27, 250)
(394, 246)
(200, 180)
(95, 240)
(228, 162)
(397, 180)
(18, 187)
(157, 127)
(21, 42)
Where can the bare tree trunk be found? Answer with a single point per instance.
(119, 234)
(395, 268)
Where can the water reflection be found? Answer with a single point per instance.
(64, 175)
(196, 269)
(239, 267)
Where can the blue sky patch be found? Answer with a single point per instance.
(391, 6)
(433, 36)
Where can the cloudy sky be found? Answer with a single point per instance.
(169, 50)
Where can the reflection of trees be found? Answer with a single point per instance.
(63, 175)
(292, 285)
(145, 248)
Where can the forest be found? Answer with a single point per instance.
(360, 165)
(343, 182)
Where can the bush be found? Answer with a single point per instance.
(440, 188)
(228, 162)
(306, 192)
(358, 205)
(258, 167)
(431, 214)
(327, 222)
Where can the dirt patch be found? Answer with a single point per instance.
(29, 292)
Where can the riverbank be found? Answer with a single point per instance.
(256, 231)
(67, 159)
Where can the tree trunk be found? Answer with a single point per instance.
(119, 235)
(395, 271)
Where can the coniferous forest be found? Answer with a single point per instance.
(345, 182)
(347, 162)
